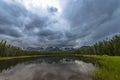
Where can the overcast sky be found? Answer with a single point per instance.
(75, 23)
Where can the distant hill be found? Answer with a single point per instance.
(49, 48)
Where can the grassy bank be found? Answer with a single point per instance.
(109, 67)
(17, 57)
(48, 55)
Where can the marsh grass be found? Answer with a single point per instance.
(109, 67)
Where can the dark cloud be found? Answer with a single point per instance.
(81, 22)
(52, 9)
(10, 19)
(36, 22)
(19, 24)
(10, 31)
(93, 19)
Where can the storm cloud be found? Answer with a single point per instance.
(63, 23)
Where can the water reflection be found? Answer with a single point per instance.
(50, 69)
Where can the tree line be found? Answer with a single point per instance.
(106, 47)
(8, 50)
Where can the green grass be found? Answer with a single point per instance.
(109, 67)
(48, 55)
(18, 57)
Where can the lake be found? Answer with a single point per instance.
(47, 69)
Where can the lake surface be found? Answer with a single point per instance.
(49, 69)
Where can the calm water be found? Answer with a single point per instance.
(49, 69)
